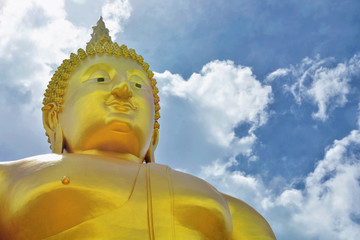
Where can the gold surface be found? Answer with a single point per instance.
(96, 185)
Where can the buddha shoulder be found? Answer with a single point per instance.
(72, 164)
(13, 171)
(247, 222)
(27, 165)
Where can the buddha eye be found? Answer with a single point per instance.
(138, 85)
(99, 80)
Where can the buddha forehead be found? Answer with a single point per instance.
(108, 66)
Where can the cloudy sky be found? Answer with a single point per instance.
(260, 98)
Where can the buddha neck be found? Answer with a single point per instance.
(111, 156)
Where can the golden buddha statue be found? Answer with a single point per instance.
(101, 182)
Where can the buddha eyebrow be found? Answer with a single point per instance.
(138, 73)
(99, 72)
(105, 68)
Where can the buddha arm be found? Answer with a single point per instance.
(247, 222)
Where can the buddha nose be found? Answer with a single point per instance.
(122, 91)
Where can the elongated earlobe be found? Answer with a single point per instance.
(53, 129)
(155, 138)
(149, 157)
(58, 141)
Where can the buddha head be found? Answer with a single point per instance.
(103, 99)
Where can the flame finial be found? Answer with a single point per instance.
(100, 33)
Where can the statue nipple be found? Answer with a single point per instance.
(65, 180)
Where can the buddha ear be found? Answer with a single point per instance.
(53, 128)
(149, 157)
(155, 138)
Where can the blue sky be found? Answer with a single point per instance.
(260, 98)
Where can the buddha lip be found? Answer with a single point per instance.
(120, 104)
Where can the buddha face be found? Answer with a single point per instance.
(108, 106)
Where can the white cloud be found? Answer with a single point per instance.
(225, 96)
(115, 14)
(236, 183)
(320, 82)
(276, 74)
(291, 197)
(332, 193)
(79, 1)
(36, 34)
(329, 84)
(203, 112)
(326, 208)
